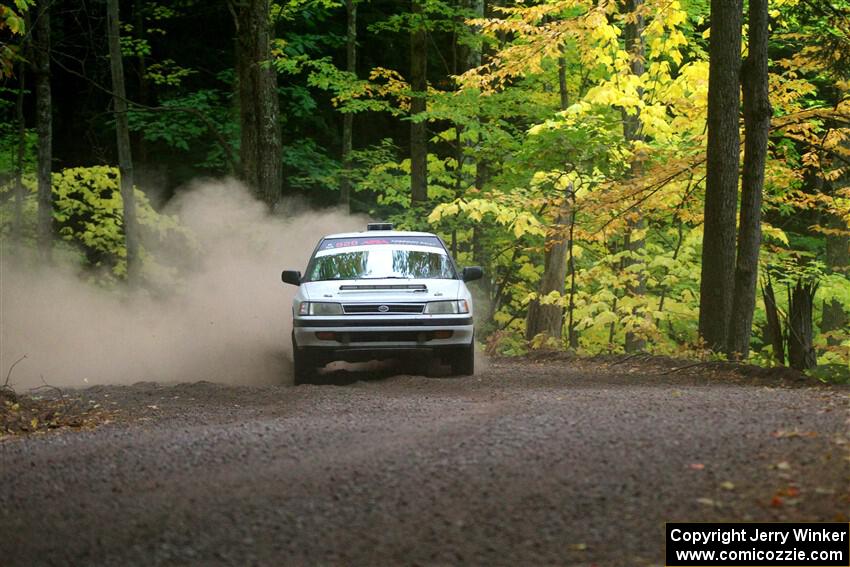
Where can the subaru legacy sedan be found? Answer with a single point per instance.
(381, 294)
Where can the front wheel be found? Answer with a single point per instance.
(463, 362)
(303, 367)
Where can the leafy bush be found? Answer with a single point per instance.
(88, 214)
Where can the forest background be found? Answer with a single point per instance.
(564, 145)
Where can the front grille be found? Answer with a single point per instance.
(408, 287)
(388, 308)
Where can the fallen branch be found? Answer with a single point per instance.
(45, 385)
(9, 374)
(630, 357)
(694, 365)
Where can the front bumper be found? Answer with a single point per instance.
(362, 338)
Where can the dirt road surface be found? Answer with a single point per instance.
(527, 463)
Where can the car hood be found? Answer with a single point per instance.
(382, 290)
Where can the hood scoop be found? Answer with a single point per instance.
(389, 287)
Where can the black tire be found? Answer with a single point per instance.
(303, 366)
(463, 361)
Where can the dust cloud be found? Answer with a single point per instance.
(228, 321)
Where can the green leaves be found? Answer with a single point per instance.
(519, 221)
(12, 20)
(88, 212)
(178, 126)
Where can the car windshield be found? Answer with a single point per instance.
(355, 260)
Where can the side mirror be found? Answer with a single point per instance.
(471, 273)
(291, 277)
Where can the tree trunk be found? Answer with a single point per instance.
(125, 157)
(348, 117)
(773, 329)
(43, 127)
(471, 54)
(718, 249)
(837, 261)
(801, 350)
(479, 251)
(18, 221)
(632, 133)
(549, 319)
(833, 318)
(475, 57)
(562, 83)
(572, 333)
(466, 57)
(757, 114)
(144, 86)
(260, 151)
(418, 105)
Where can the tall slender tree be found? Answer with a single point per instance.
(259, 109)
(43, 126)
(474, 58)
(757, 114)
(721, 191)
(18, 222)
(632, 132)
(418, 104)
(348, 117)
(549, 318)
(122, 130)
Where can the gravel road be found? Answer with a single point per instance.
(527, 463)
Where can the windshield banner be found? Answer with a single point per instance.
(337, 243)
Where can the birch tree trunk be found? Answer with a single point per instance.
(125, 156)
(717, 280)
(757, 114)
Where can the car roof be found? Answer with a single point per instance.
(378, 233)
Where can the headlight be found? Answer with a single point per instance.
(447, 307)
(313, 308)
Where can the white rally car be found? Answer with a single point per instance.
(381, 294)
